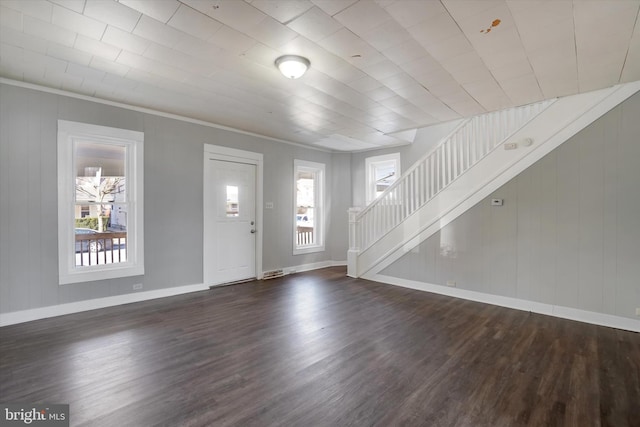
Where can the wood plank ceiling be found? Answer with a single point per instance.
(378, 67)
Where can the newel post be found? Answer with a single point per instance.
(354, 243)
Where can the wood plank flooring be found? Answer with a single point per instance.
(322, 349)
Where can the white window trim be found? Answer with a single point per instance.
(370, 176)
(318, 220)
(68, 132)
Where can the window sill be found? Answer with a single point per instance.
(101, 274)
(308, 249)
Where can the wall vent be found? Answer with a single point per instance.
(272, 274)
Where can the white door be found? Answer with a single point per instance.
(230, 222)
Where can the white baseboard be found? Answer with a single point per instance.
(516, 303)
(22, 316)
(313, 266)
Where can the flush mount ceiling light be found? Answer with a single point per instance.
(292, 66)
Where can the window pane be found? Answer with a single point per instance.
(381, 173)
(305, 206)
(384, 175)
(233, 208)
(308, 233)
(100, 234)
(100, 209)
(100, 172)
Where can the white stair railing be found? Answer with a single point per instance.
(471, 141)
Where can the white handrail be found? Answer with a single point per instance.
(465, 146)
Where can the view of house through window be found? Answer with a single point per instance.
(100, 202)
(308, 206)
(100, 222)
(382, 171)
(305, 198)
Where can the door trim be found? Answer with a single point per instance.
(216, 152)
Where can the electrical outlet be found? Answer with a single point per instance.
(137, 286)
(451, 283)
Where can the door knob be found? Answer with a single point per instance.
(253, 231)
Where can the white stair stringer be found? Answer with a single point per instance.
(555, 125)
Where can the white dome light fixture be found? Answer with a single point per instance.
(292, 66)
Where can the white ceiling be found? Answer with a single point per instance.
(378, 67)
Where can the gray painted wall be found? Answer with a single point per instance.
(425, 141)
(338, 229)
(568, 233)
(173, 198)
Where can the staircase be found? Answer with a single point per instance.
(479, 156)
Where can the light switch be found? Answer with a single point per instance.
(268, 205)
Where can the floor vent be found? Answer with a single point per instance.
(272, 274)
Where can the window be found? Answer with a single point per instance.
(309, 202)
(232, 201)
(100, 230)
(382, 171)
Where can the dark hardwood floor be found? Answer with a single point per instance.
(321, 349)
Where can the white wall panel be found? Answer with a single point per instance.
(568, 229)
(499, 245)
(47, 149)
(568, 233)
(545, 284)
(528, 225)
(610, 229)
(468, 241)
(17, 160)
(627, 256)
(591, 209)
(537, 231)
(34, 230)
(339, 184)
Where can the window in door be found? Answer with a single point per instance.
(233, 203)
